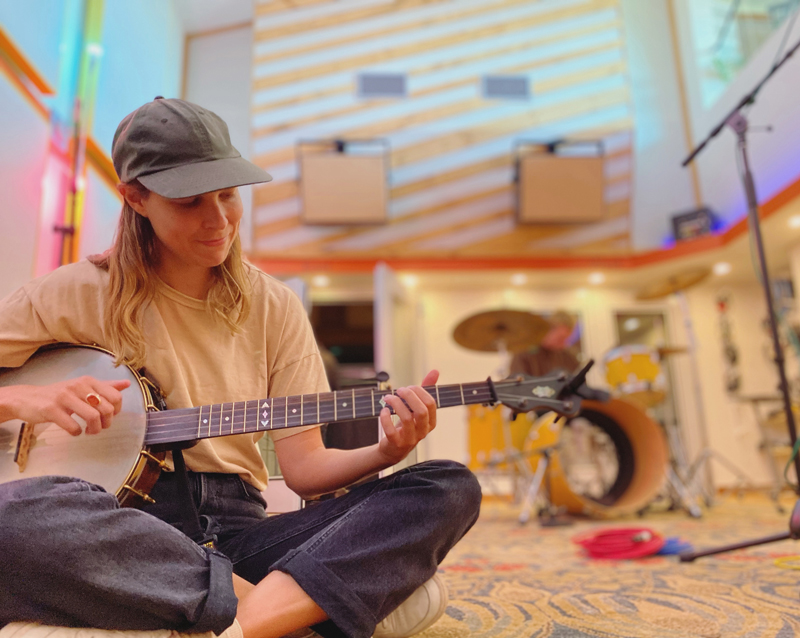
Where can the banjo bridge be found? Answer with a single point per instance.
(25, 441)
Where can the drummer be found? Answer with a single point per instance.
(551, 353)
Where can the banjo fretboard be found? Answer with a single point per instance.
(243, 417)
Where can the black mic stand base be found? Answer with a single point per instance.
(793, 533)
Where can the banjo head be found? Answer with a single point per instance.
(106, 459)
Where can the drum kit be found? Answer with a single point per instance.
(613, 458)
(608, 461)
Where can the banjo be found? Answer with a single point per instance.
(126, 458)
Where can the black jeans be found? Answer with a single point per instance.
(72, 557)
(357, 556)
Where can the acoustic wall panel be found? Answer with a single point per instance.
(337, 188)
(560, 190)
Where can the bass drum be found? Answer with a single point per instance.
(611, 460)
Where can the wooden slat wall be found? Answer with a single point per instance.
(452, 151)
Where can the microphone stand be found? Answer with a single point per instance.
(737, 121)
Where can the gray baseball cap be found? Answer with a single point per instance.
(179, 149)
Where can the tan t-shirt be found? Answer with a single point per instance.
(192, 356)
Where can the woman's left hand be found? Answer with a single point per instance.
(416, 412)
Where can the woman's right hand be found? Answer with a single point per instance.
(57, 403)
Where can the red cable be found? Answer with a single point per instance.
(621, 543)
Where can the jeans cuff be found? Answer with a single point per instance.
(342, 606)
(221, 603)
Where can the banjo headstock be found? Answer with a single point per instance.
(557, 391)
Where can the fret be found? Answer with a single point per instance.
(199, 417)
(276, 413)
(286, 413)
(328, 407)
(340, 397)
(233, 414)
(461, 387)
(244, 420)
(292, 416)
(452, 395)
(335, 406)
(372, 396)
(301, 410)
(207, 420)
(308, 414)
(438, 400)
(319, 418)
(362, 402)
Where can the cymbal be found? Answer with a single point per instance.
(673, 284)
(490, 331)
(663, 351)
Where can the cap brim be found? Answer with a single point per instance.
(203, 177)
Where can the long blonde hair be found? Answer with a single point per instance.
(131, 263)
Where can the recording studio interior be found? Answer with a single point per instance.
(585, 214)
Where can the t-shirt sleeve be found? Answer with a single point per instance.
(298, 367)
(22, 330)
(64, 306)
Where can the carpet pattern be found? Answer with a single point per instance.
(507, 580)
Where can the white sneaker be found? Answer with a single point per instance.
(423, 608)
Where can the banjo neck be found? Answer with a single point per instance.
(246, 417)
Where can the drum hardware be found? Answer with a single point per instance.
(633, 452)
(634, 372)
(664, 351)
(684, 479)
(550, 513)
(506, 332)
(501, 330)
(542, 440)
(673, 284)
(629, 447)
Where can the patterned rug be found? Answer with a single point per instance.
(509, 580)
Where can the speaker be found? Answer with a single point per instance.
(553, 188)
(337, 187)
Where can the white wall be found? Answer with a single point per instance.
(732, 429)
(661, 187)
(143, 58)
(218, 73)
